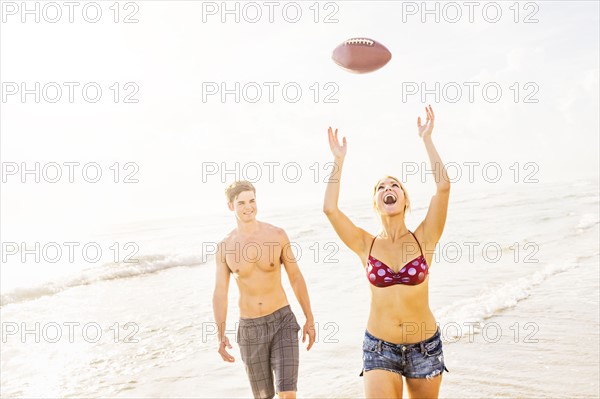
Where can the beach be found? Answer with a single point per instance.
(122, 123)
(522, 324)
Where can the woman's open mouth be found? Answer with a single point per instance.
(389, 199)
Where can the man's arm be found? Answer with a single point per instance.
(299, 286)
(220, 302)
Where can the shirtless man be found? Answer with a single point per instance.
(268, 330)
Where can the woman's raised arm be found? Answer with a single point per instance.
(433, 225)
(354, 237)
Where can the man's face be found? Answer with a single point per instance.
(244, 206)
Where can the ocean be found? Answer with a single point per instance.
(514, 286)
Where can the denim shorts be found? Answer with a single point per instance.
(423, 359)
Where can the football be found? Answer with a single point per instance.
(361, 55)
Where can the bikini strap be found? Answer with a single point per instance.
(374, 238)
(417, 243)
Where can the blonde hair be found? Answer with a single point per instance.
(406, 199)
(236, 188)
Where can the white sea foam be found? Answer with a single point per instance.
(145, 265)
(487, 304)
(588, 220)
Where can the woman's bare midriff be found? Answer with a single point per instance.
(400, 314)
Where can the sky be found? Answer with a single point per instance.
(176, 143)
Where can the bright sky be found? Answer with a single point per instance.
(178, 139)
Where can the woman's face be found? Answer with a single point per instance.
(389, 197)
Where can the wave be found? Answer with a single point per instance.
(146, 264)
(473, 197)
(485, 305)
(587, 221)
(306, 232)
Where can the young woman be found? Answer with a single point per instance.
(402, 337)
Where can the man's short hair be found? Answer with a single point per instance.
(236, 188)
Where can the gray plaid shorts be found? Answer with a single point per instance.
(269, 345)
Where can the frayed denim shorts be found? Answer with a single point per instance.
(423, 359)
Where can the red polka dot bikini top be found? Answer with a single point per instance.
(381, 275)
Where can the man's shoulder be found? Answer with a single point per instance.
(228, 238)
(272, 229)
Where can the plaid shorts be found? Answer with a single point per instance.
(269, 344)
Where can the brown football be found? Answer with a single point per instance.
(361, 55)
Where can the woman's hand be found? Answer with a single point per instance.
(338, 151)
(426, 129)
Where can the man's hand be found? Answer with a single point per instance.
(309, 329)
(224, 354)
